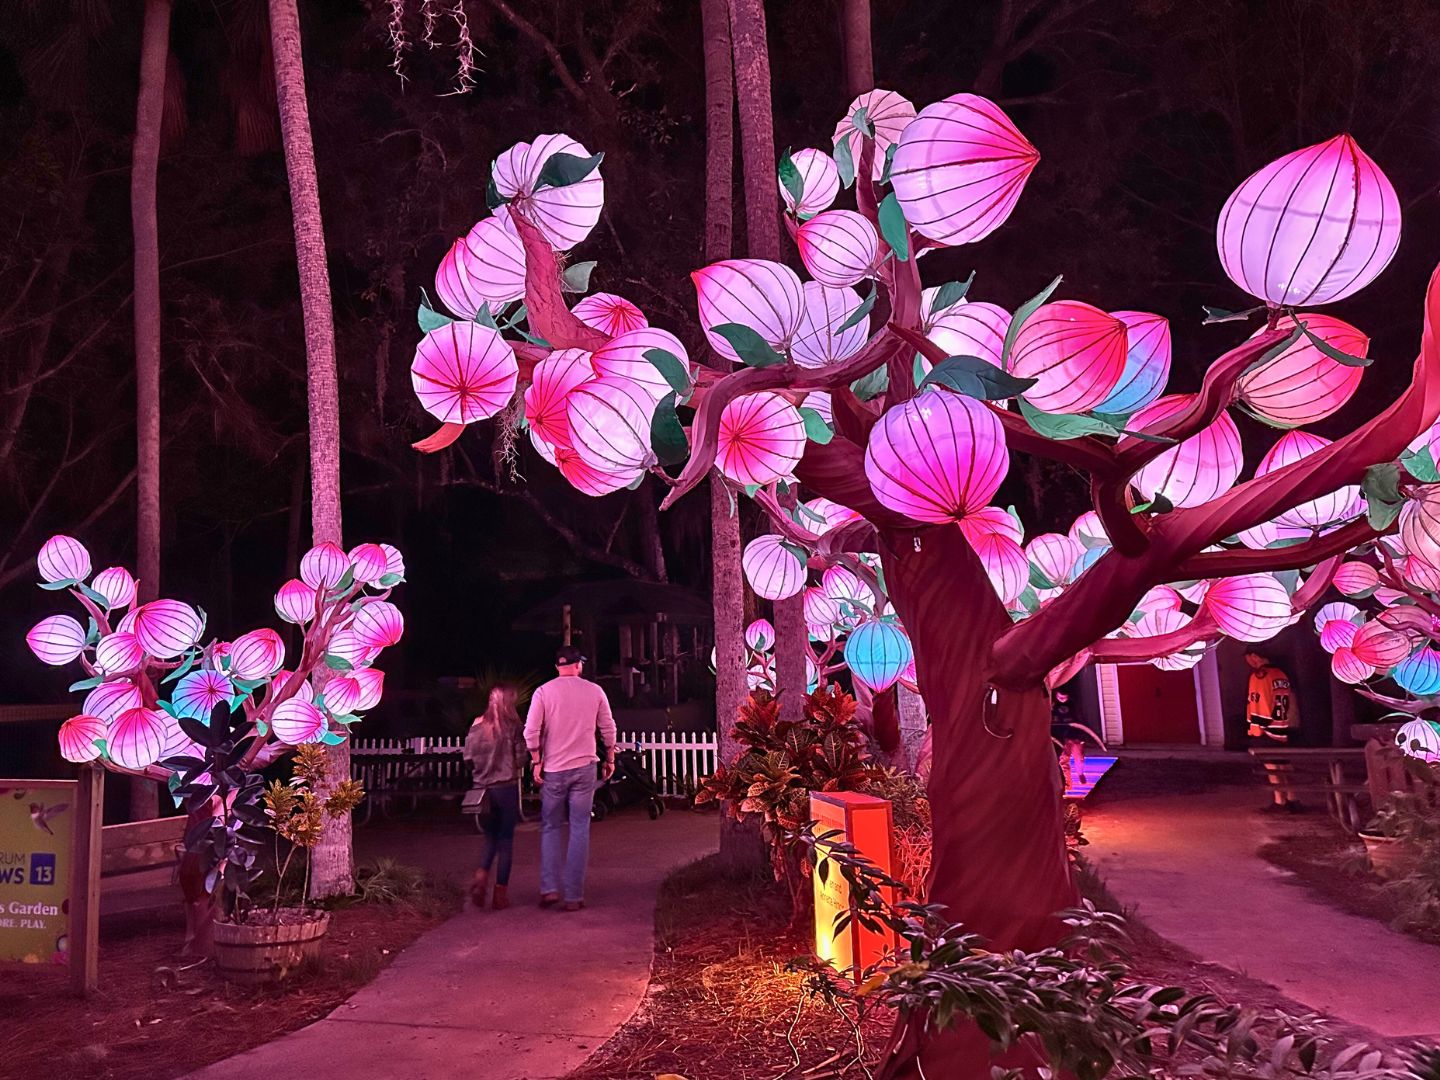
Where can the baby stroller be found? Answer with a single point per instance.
(631, 784)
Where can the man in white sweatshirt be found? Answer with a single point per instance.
(560, 728)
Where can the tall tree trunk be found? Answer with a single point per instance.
(998, 862)
(144, 226)
(332, 860)
(859, 55)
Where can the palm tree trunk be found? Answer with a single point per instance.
(332, 860)
(859, 55)
(144, 225)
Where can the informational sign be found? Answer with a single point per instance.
(865, 822)
(37, 841)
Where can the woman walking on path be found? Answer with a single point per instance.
(495, 749)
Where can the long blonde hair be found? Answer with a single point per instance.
(501, 707)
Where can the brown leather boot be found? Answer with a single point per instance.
(502, 898)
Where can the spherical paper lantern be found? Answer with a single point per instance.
(877, 653)
(624, 357)
(1075, 352)
(200, 691)
(1356, 578)
(63, 558)
(1089, 530)
(772, 569)
(137, 738)
(760, 635)
(78, 737)
(116, 585)
(610, 314)
(56, 640)
(1349, 668)
(959, 168)
(550, 385)
(761, 439)
(379, 624)
(853, 598)
(937, 457)
(1160, 598)
(324, 565)
(1337, 623)
(1201, 468)
(342, 695)
(588, 480)
(166, 628)
(819, 400)
(1420, 573)
(256, 655)
(888, 114)
(119, 654)
(372, 685)
(818, 340)
(1420, 524)
(368, 563)
(564, 215)
(1337, 634)
(1005, 564)
(394, 560)
(820, 516)
(492, 260)
(992, 519)
(1419, 739)
(110, 699)
(1147, 363)
(610, 426)
(453, 285)
(765, 296)
(1311, 227)
(819, 183)
(1379, 646)
(1340, 505)
(1419, 673)
(296, 722)
(464, 372)
(1162, 621)
(976, 329)
(1055, 555)
(349, 646)
(821, 614)
(295, 602)
(838, 247)
(1302, 384)
(1251, 607)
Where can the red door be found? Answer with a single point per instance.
(1157, 706)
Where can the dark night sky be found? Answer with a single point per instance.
(1146, 115)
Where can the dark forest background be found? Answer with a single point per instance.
(1146, 114)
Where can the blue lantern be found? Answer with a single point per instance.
(878, 652)
(1419, 673)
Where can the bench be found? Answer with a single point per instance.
(389, 776)
(137, 862)
(1317, 772)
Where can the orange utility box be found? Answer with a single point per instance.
(865, 822)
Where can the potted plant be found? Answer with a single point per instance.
(1393, 835)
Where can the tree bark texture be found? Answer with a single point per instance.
(144, 226)
(332, 860)
(859, 55)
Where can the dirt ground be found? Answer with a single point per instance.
(152, 1019)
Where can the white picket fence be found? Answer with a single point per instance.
(678, 759)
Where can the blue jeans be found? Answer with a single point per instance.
(502, 815)
(569, 792)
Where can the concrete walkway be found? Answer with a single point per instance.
(1189, 867)
(522, 994)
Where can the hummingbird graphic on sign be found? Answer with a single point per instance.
(41, 816)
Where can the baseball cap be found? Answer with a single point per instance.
(569, 654)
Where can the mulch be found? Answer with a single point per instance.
(153, 1018)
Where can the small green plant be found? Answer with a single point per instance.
(300, 809)
(1412, 820)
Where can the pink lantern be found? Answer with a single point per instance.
(296, 722)
(1160, 598)
(116, 585)
(959, 169)
(166, 628)
(492, 259)
(838, 247)
(78, 737)
(1055, 556)
(1419, 739)
(772, 569)
(324, 565)
(1379, 646)
(63, 558)
(1200, 468)
(765, 296)
(110, 699)
(1147, 363)
(295, 602)
(821, 515)
(1420, 524)
(1302, 384)
(464, 372)
(256, 655)
(372, 685)
(760, 635)
(342, 695)
(379, 624)
(1356, 578)
(1162, 621)
(937, 457)
(564, 215)
(1267, 533)
(819, 183)
(610, 426)
(394, 561)
(1089, 530)
(554, 377)
(1349, 668)
(1337, 611)
(1340, 505)
(888, 115)
(1311, 227)
(56, 640)
(818, 340)
(1075, 352)
(970, 330)
(1251, 607)
(368, 562)
(119, 654)
(453, 286)
(623, 357)
(610, 314)
(1005, 564)
(1337, 634)
(1420, 573)
(349, 646)
(852, 596)
(137, 738)
(992, 519)
(819, 400)
(761, 439)
(586, 479)
(821, 614)
(200, 691)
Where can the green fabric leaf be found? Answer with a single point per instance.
(853, 319)
(1023, 312)
(1381, 488)
(338, 663)
(185, 665)
(428, 318)
(816, 429)
(330, 738)
(670, 366)
(93, 596)
(1038, 579)
(493, 199)
(917, 370)
(85, 684)
(1220, 315)
(667, 434)
(576, 277)
(791, 179)
(562, 170)
(952, 292)
(484, 318)
(872, 385)
(1338, 355)
(894, 228)
(796, 550)
(844, 162)
(751, 347)
(889, 161)
(1421, 465)
(1275, 350)
(862, 123)
(973, 377)
(389, 581)
(56, 586)
(1063, 426)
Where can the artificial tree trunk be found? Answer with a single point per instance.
(144, 227)
(332, 860)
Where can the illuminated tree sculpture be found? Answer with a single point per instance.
(895, 410)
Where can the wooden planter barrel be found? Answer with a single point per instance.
(255, 953)
(1388, 857)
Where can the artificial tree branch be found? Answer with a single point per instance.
(1126, 650)
(837, 472)
(1232, 561)
(550, 317)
